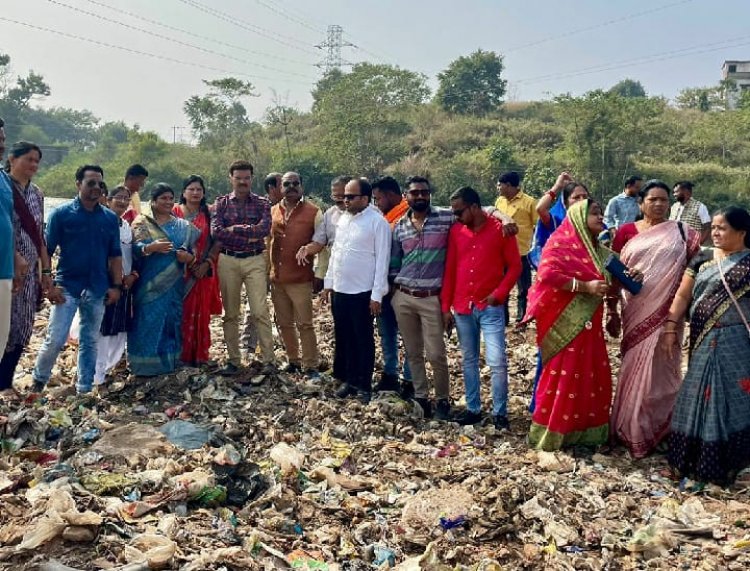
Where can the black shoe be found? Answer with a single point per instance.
(38, 387)
(386, 383)
(501, 422)
(229, 370)
(407, 390)
(364, 397)
(346, 390)
(466, 417)
(426, 406)
(443, 409)
(291, 368)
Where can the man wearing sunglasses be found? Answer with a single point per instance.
(89, 275)
(293, 223)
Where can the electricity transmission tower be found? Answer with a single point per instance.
(333, 44)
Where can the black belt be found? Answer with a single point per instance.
(418, 292)
(240, 254)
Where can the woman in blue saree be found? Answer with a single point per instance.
(162, 246)
(710, 432)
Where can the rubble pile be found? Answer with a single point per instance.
(200, 472)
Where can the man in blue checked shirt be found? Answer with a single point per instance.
(624, 207)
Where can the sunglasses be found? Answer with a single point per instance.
(94, 183)
(288, 183)
(351, 196)
(419, 192)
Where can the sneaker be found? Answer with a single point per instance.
(312, 375)
(407, 390)
(291, 368)
(426, 406)
(229, 370)
(501, 422)
(364, 397)
(268, 369)
(466, 417)
(346, 390)
(443, 409)
(387, 382)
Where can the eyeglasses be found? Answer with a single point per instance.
(288, 183)
(419, 192)
(337, 197)
(351, 196)
(92, 183)
(120, 198)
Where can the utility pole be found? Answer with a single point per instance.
(333, 44)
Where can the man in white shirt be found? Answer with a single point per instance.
(356, 281)
(690, 211)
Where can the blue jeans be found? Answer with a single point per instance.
(388, 330)
(91, 310)
(490, 322)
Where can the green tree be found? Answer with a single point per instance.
(220, 115)
(628, 88)
(473, 84)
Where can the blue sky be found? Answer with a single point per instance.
(550, 46)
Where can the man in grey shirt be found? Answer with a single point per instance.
(624, 207)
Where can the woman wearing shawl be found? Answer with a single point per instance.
(163, 246)
(575, 387)
(710, 432)
(647, 388)
(202, 284)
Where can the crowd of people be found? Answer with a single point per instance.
(145, 282)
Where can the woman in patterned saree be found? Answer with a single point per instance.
(647, 388)
(163, 245)
(202, 296)
(575, 388)
(710, 432)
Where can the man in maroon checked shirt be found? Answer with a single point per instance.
(481, 268)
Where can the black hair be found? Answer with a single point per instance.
(511, 177)
(387, 184)
(104, 189)
(468, 195)
(82, 170)
(20, 149)
(2, 122)
(569, 188)
(738, 218)
(365, 188)
(270, 180)
(631, 180)
(119, 188)
(686, 184)
(160, 188)
(203, 207)
(416, 179)
(135, 170)
(653, 183)
(341, 180)
(241, 166)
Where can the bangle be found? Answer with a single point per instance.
(46, 272)
(669, 332)
(672, 321)
(575, 286)
(552, 194)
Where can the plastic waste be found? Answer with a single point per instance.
(185, 434)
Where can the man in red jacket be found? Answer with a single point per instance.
(481, 268)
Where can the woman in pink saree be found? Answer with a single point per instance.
(649, 380)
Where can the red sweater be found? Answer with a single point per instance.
(479, 264)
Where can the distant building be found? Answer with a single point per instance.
(739, 73)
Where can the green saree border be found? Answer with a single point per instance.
(541, 438)
(569, 324)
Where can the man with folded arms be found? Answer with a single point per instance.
(241, 222)
(481, 268)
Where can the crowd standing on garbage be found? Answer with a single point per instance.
(145, 283)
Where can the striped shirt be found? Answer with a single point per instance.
(418, 257)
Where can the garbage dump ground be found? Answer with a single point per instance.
(200, 472)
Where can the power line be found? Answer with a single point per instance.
(245, 25)
(173, 40)
(142, 53)
(281, 12)
(194, 35)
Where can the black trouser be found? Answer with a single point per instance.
(8, 366)
(354, 333)
(523, 284)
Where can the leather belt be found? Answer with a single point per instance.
(240, 254)
(418, 292)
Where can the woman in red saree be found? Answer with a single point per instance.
(202, 298)
(575, 387)
(649, 380)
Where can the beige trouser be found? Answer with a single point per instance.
(294, 312)
(6, 286)
(233, 274)
(420, 321)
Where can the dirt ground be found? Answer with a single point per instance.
(276, 473)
